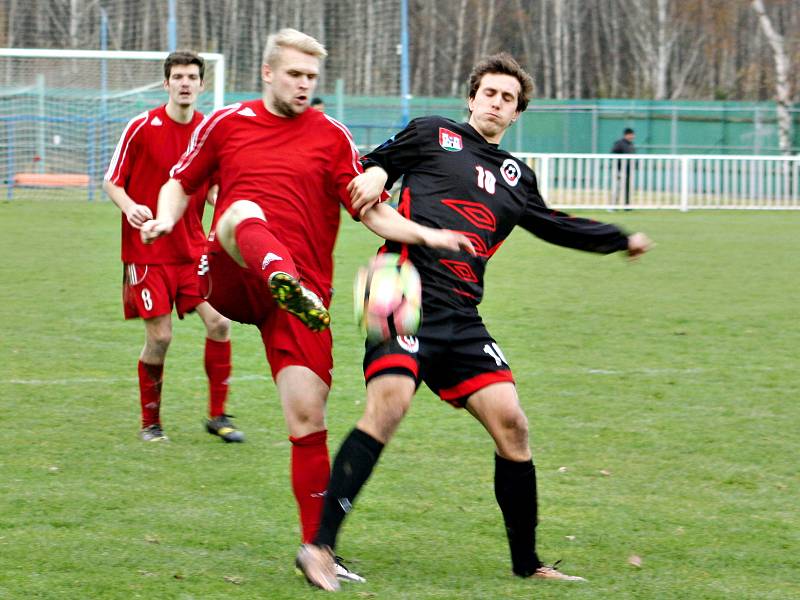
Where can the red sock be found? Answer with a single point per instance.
(261, 251)
(150, 378)
(218, 369)
(311, 469)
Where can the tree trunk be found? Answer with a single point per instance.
(782, 91)
(455, 74)
(577, 50)
(544, 39)
(664, 49)
(488, 27)
(432, 46)
(558, 47)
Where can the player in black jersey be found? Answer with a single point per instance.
(456, 177)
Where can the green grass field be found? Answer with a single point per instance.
(662, 398)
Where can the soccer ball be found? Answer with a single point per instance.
(388, 297)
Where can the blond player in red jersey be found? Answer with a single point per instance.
(284, 172)
(162, 275)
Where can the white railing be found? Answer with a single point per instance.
(607, 181)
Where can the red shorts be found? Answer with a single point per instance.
(152, 290)
(242, 296)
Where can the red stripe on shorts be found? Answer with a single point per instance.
(473, 384)
(391, 361)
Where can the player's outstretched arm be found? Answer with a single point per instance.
(366, 189)
(172, 202)
(389, 224)
(135, 213)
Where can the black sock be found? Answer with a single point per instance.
(351, 469)
(515, 490)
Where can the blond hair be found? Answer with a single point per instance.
(291, 38)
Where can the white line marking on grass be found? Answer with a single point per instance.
(256, 377)
(82, 380)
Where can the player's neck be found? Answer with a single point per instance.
(492, 139)
(180, 114)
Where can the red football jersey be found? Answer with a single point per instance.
(150, 145)
(296, 169)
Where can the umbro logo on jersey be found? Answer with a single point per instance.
(269, 258)
(510, 172)
(449, 140)
(156, 122)
(247, 112)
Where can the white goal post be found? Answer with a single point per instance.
(62, 112)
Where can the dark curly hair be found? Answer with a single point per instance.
(504, 64)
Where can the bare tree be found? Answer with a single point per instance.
(782, 91)
(544, 39)
(455, 73)
(558, 46)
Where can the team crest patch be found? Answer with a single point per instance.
(449, 140)
(510, 172)
(409, 343)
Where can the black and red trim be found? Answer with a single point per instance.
(394, 362)
(458, 394)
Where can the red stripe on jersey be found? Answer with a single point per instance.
(404, 208)
(390, 361)
(463, 293)
(196, 142)
(474, 384)
(121, 151)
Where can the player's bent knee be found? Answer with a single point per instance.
(516, 422)
(218, 327)
(238, 212)
(387, 403)
(157, 343)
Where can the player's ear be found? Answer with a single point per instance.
(166, 85)
(266, 73)
(470, 102)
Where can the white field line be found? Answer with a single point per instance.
(83, 380)
(256, 377)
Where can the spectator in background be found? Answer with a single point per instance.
(318, 104)
(624, 145)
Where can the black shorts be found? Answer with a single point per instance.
(452, 353)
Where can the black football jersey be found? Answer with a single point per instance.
(454, 179)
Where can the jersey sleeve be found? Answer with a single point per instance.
(199, 161)
(121, 165)
(345, 165)
(398, 154)
(566, 230)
